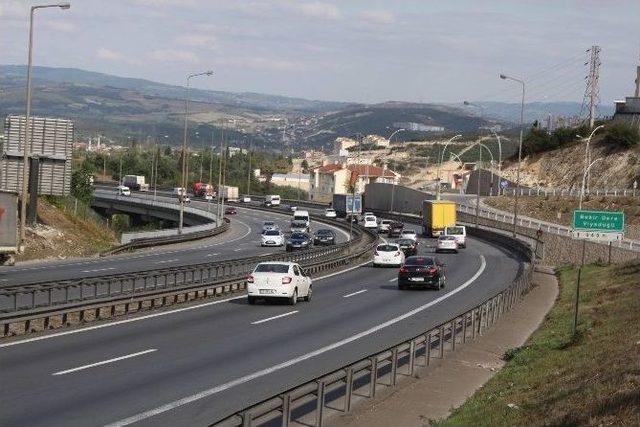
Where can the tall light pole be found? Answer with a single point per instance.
(184, 145)
(440, 164)
(473, 104)
(587, 155)
(584, 178)
(397, 131)
(27, 138)
(515, 206)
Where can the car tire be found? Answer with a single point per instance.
(251, 300)
(442, 283)
(309, 294)
(294, 298)
(402, 287)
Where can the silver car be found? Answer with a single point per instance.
(446, 243)
(269, 226)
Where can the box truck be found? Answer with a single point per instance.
(347, 205)
(436, 215)
(229, 193)
(272, 200)
(135, 182)
(201, 189)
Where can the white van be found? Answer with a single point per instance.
(459, 232)
(123, 190)
(302, 216)
(272, 200)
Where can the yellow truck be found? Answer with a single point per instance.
(436, 215)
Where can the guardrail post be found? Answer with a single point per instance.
(454, 324)
(247, 419)
(319, 403)
(286, 409)
(428, 348)
(373, 376)
(464, 328)
(349, 390)
(412, 354)
(441, 339)
(473, 323)
(394, 366)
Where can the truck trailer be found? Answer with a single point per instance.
(436, 215)
(347, 205)
(228, 193)
(135, 182)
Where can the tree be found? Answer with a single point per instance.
(81, 187)
(620, 135)
(305, 166)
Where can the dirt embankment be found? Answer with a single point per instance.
(62, 234)
(559, 210)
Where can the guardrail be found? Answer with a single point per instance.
(538, 225)
(310, 400)
(570, 192)
(46, 305)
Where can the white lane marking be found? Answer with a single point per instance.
(237, 250)
(354, 293)
(258, 374)
(394, 279)
(257, 322)
(152, 315)
(104, 362)
(4, 280)
(210, 255)
(98, 269)
(167, 261)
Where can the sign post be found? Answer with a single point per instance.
(602, 226)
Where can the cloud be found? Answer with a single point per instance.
(62, 26)
(319, 9)
(197, 40)
(159, 3)
(378, 17)
(262, 63)
(109, 55)
(173, 55)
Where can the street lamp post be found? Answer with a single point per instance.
(393, 188)
(515, 206)
(440, 164)
(396, 131)
(587, 156)
(184, 146)
(584, 179)
(27, 138)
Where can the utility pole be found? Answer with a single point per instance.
(592, 92)
(218, 214)
(249, 172)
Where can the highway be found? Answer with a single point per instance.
(195, 364)
(243, 240)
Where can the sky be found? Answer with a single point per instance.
(350, 50)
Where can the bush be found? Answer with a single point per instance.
(620, 135)
(539, 140)
(81, 187)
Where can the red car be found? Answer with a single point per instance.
(230, 211)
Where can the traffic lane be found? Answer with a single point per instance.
(200, 330)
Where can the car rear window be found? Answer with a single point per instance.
(298, 223)
(298, 236)
(408, 232)
(324, 233)
(272, 268)
(272, 233)
(447, 238)
(387, 248)
(385, 221)
(455, 230)
(269, 223)
(405, 242)
(369, 218)
(422, 261)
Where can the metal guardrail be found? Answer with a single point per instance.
(120, 294)
(538, 225)
(310, 400)
(570, 192)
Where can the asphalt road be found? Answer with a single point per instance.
(192, 366)
(242, 240)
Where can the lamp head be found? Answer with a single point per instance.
(64, 5)
(503, 77)
(466, 103)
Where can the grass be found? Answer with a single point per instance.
(558, 380)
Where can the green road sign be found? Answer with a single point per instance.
(602, 221)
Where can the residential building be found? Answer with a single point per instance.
(341, 178)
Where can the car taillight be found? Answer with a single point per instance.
(397, 254)
(432, 270)
(404, 270)
(376, 253)
(286, 280)
(249, 279)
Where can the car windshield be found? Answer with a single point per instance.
(324, 233)
(298, 236)
(272, 233)
(420, 261)
(298, 223)
(387, 248)
(408, 232)
(369, 218)
(330, 210)
(272, 268)
(447, 238)
(455, 230)
(269, 224)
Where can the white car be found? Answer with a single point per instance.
(388, 254)
(384, 225)
(293, 208)
(369, 214)
(281, 280)
(184, 198)
(330, 213)
(246, 199)
(409, 234)
(459, 232)
(208, 197)
(446, 243)
(123, 190)
(370, 221)
(272, 238)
